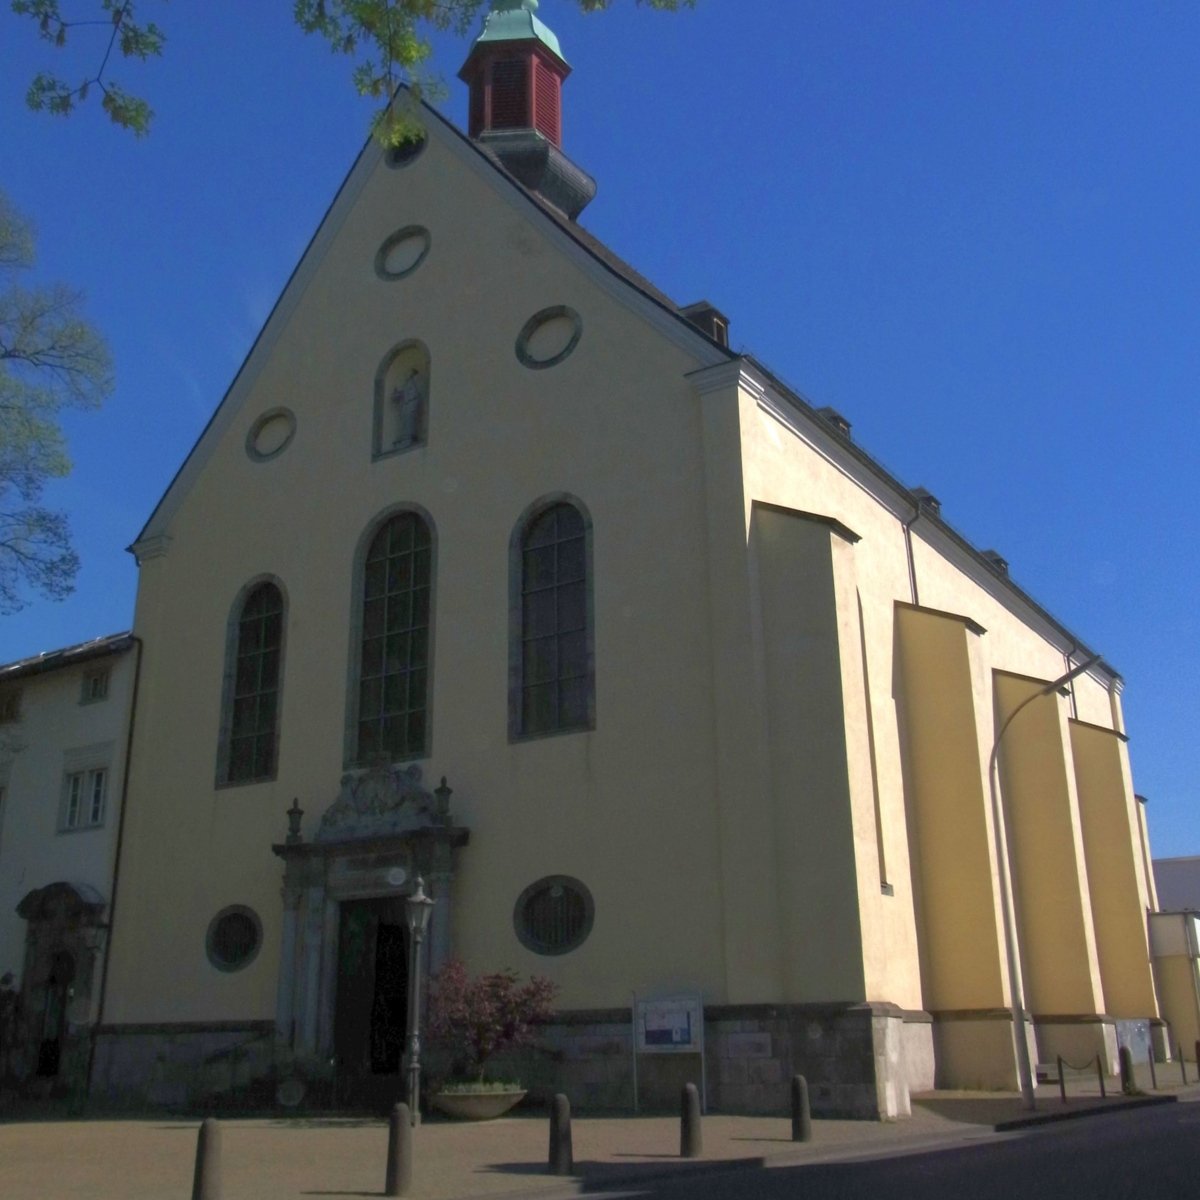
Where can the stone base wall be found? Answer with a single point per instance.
(181, 1065)
(860, 1061)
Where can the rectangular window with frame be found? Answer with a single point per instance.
(95, 686)
(84, 796)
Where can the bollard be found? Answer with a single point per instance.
(1125, 1057)
(1100, 1077)
(691, 1143)
(206, 1182)
(1197, 1048)
(1062, 1080)
(562, 1160)
(399, 1152)
(801, 1116)
(1153, 1072)
(1182, 1065)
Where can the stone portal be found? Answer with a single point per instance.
(343, 974)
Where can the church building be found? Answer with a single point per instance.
(497, 567)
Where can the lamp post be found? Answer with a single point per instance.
(1024, 1067)
(417, 909)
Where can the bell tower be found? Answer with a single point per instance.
(515, 71)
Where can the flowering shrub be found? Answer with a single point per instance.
(475, 1018)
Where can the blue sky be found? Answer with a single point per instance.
(972, 228)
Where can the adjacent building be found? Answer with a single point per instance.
(64, 720)
(1175, 944)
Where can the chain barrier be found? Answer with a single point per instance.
(1064, 1065)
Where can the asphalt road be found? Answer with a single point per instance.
(1151, 1154)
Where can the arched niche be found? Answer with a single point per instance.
(402, 399)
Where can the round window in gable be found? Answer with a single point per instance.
(548, 337)
(408, 152)
(403, 252)
(270, 434)
(554, 915)
(234, 938)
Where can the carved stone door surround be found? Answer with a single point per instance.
(381, 832)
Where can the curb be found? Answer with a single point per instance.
(601, 1181)
(1095, 1110)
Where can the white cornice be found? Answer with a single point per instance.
(857, 466)
(736, 372)
(154, 546)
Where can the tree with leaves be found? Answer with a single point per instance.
(50, 359)
(388, 39)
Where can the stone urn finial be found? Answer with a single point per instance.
(294, 815)
(443, 794)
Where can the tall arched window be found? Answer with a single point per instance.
(250, 717)
(551, 652)
(393, 670)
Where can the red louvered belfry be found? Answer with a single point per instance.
(515, 85)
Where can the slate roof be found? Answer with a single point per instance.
(68, 656)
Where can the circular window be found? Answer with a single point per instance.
(270, 434)
(554, 915)
(234, 938)
(407, 152)
(548, 337)
(402, 253)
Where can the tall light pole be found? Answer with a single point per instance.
(416, 911)
(1024, 1067)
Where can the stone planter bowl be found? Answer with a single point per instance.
(476, 1106)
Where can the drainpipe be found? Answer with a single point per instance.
(908, 549)
(1070, 654)
(112, 903)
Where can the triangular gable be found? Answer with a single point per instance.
(604, 268)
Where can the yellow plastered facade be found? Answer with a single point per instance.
(784, 801)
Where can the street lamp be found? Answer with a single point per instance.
(417, 909)
(1024, 1067)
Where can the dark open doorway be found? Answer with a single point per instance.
(372, 998)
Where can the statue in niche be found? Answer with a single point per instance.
(408, 400)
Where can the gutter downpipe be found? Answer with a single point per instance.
(1024, 1067)
(908, 549)
(116, 875)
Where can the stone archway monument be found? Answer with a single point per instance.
(381, 832)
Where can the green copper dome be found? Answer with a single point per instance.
(515, 21)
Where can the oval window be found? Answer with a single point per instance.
(549, 336)
(554, 915)
(403, 252)
(270, 434)
(234, 938)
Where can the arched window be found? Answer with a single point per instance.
(250, 717)
(551, 650)
(393, 668)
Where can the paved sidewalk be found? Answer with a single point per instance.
(292, 1158)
